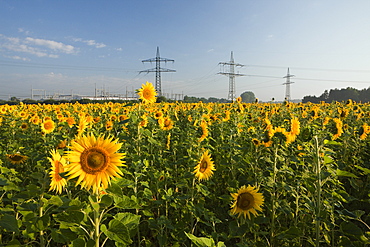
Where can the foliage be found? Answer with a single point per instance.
(343, 94)
(248, 97)
(314, 176)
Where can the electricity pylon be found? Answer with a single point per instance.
(287, 85)
(158, 70)
(231, 74)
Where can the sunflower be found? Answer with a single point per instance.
(165, 123)
(24, 126)
(16, 158)
(94, 161)
(204, 169)
(338, 128)
(48, 126)
(247, 200)
(294, 126)
(158, 115)
(147, 93)
(204, 127)
(58, 164)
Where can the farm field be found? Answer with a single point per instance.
(181, 174)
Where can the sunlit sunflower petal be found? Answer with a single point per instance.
(94, 161)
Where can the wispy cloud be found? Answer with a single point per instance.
(37, 47)
(53, 45)
(90, 42)
(18, 58)
(21, 30)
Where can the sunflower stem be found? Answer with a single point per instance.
(97, 219)
(318, 191)
(273, 198)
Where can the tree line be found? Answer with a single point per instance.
(339, 95)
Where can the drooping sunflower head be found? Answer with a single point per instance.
(204, 169)
(247, 200)
(16, 158)
(95, 161)
(58, 164)
(147, 93)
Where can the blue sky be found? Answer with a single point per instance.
(77, 46)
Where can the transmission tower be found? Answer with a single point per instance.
(287, 85)
(158, 70)
(231, 74)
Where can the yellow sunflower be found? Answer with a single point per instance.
(247, 200)
(48, 126)
(165, 123)
(16, 158)
(147, 93)
(58, 164)
(94, 161)
(204, 169)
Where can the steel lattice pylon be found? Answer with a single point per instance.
(231, 74)
(158, 70)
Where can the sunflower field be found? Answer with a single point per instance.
(185, 174)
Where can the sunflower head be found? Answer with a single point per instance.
(95, 161)
(247, 200)
(48, 126)
(16, 158)
(58, 164)
(147, 93)
(204, 169)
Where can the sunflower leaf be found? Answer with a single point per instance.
(117, 231)
(201, 241)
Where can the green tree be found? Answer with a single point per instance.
(248, 97)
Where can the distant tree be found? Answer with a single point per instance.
(161, 99)
(29, 101)
(248, 97)
(14, 99)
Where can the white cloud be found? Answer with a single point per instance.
(119, 49)
(90, 42)
(56, 46)
(18, 58)
(33, 46)
(21, 30)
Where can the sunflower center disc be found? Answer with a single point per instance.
(16, 157)
(94, 160)
(245, 201)
(203, 166)
(146, 94)
(58, 169)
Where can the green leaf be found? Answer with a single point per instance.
(3, 182)
(78, 242)
(9, 222)
(131, 221)
(117, 231)
(14, 243)
(345, 174)
(348, 228)
(74, 217)
(106, 201)
(54, 200)
(125, 202)
(221, 244)
(115, 189)
(292, 232)
(201, 241)
(365, 170)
